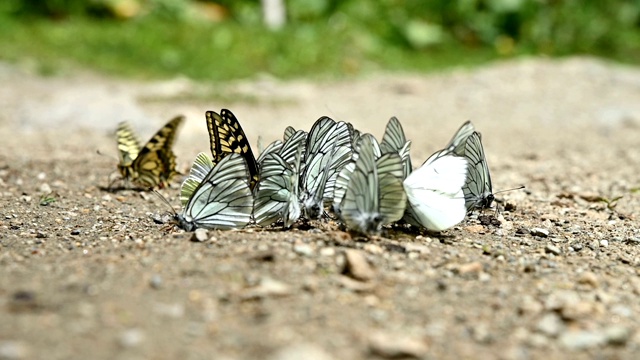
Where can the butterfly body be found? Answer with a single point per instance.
(152, 165)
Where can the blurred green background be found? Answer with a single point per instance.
(227, 39)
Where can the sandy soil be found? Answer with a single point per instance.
(91, 275)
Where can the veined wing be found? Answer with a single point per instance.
(277, 194)
(288, 132)
(458, 142)
(292, 145)
(478, 190)
(395, 141)
(227, 137)
(202, 165)
(128, 143)
(223, 200)
(374, 194)
(275, 146)
(155, 162)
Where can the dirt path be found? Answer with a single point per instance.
(92, 276)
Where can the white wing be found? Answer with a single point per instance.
(223, 200)
(199, 170)
(478, 190)
(434, 192)
(458, 142)
(273, 147)
(374, 195)
(277, 194)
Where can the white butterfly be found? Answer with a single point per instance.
(328, 150)
(277, 194)
(374, 195)
(478, 190)
(458, 142)
(394, 140)
(434, 192)
(222, 200)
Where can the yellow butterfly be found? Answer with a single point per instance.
(155, 163)
(227, 137)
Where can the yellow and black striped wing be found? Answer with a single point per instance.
(227, 137)
(155, 164)
(128, 144)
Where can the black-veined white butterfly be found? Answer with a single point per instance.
(374, 195)
(222, 200)
(435, 199)
(478, 190)
(328, 149)
(458, 142)
(394, 140)
(277, 192)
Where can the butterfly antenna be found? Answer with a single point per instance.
(163, 199)
(516, 188)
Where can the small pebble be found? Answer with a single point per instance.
(580, 340)
(200, 235)
(539, 232)
(357, 266)
(265, 288)
(550, 325)
(13, 350)
(155, 281)
(395, 347)
(301, 351)
(604, 243)
(131, 338)
(552, 249)
(617, 335)
(303, 249)
(474, 267)
(327, 251)
(588, 278)
(75, 232)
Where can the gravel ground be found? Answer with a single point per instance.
(91, 275)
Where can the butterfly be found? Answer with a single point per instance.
(478, 190)
(458, 142)
(435, 198)
(374, 195)
(222, 200)
(152, 165)
(277, 192)
(394, 140)
(227, 137)
(328, 149)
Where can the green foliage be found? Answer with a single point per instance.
(226, 38)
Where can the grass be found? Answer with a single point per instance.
(151, 48)
(155, 48)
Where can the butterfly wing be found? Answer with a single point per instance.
(223, 200)
(275, 146)
(155, 164)
(434, 192)
(478, 190)
(295, 143)
(128, 144)
(328, 149)
(458, 142)
(202, 165)
(277, 194)
(360, 207)
(288, 132)
(227, 137)
(393, 200)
